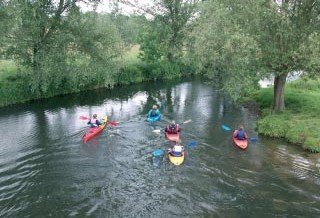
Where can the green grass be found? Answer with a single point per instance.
(7, 68)
(299, 123)
(130, 56)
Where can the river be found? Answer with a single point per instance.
(47, 171)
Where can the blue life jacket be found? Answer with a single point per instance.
(241, 135)
(154, 112)
(177, 153)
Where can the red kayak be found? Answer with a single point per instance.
(173, 137)
(92, 132)
(242, 144)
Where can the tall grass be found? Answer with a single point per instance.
(306, 84)
(299, 123)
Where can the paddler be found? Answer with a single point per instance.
(94, 122)
(177, 149)
(240, 134)
(173, 128)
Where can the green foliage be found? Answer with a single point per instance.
(14, 89)
(151, 47)
(273, 126)
(129, 27)
(161, 70)
(60, 50)
(312, 144)
(249, 40)
(224, 51)
(7, 69)
(165, 37)
(130, 74)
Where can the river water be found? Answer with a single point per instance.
(47, 171)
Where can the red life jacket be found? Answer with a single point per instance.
(173, 129)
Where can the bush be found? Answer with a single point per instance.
(312, 144)
(273, 126)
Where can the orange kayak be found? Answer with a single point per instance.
(92, 132)
(242, 144)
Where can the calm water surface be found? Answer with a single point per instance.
(47, 171)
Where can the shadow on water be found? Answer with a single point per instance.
(47, 171)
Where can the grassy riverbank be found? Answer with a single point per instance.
(83, 75)
(299, 123)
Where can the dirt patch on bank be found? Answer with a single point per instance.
(252, 107)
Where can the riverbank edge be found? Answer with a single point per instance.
(286, 125)
(131, 73)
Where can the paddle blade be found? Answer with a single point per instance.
(187, 121)
(253, 139)
(227, 128)
(192, 143)
(156, 130)
(83, 118)
(157, 152)
(112, 123)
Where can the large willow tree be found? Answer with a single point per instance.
(241, 42)
(61, 49)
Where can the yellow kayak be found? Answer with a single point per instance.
(176, 160)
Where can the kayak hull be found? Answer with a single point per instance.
(92, 132)
(154, 118)
(242, 144)
(176, 160)
(173, 137)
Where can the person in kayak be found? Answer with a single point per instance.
(173, 128)
(154, 112)
(240, 134)
(94, 122)
(177, 149)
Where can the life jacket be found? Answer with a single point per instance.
(241, 135)
(93, 123)
(173, 129)
(153, 112)
(177, 150)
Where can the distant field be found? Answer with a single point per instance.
(131, 54)
(7, 68)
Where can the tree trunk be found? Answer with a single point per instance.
(278, 92)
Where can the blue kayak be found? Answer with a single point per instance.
(154, 118)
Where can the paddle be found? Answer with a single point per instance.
(225, 127)
(253, 139)
(192, 143)
(111, 123)
(157, 152)
(187, 121)
(84, 118)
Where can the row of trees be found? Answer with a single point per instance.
(59, 49)
(234, 43)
